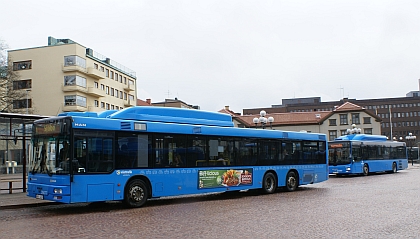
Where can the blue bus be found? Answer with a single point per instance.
(139, 153)
(364, 154)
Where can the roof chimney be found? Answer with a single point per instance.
(149, 101)
(227, 107)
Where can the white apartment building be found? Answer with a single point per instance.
(66, 76)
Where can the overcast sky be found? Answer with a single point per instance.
(245, 54)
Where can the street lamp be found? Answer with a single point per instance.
(410, 138)
(27, 101)
(263, 120)
(354, 130)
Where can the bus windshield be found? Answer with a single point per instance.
(50, 155)
(50, 150)
(339, 153)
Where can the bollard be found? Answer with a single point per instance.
(14, 165)
(8, 165)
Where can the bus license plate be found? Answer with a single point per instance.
(39, 196)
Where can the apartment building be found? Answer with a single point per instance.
(66, 76)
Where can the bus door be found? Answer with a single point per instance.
(92, 166)
(357, 158)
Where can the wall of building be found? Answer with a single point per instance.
(47, 74)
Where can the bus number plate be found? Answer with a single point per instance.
(39, 196)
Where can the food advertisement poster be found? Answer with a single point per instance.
(224, 178)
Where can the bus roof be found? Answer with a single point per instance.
(162, 114)
(361, 137)
(178, 121)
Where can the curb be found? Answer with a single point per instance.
(40, 204)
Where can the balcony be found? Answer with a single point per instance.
(73, 68)
(95, 73)
(129, 103)
(95, 92)
(72, 88)
(73, 107)
(129, 87)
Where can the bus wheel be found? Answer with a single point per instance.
(269, 183)
(365, 170)
(291, 181)
(136, 193)
(394, 167)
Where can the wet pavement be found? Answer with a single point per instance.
(377, 206)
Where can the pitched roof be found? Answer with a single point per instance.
(142, 103)
(348, 106)
(293, 118)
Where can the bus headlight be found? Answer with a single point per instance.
(348, 169)
(58, 191)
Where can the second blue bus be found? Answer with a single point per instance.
(364, 154)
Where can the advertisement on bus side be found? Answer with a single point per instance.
(224, 178)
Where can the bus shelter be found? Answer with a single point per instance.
(15, 138)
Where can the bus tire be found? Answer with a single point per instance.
(394, 167)
(269, 183)
(292, 181)
(136, 193)
(365, 170)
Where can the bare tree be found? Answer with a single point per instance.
(9, 97)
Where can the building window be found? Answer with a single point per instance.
(96, 103)
(368, 131)
(95, 65)
(22, 84)
(107, 90)
(116, 93)
(120, 78)
(125, 96)
(22, 104)
(121, 94)
(74, 61)
(22, 65)
(131, 97)
(343, 132)
(112, 91)
(343, 119)
(102, 69)
(366, 120)
(96, 84)
(355, 118)
(112, 75)
(125, 80)
(75, 80)
(75, 100)
(103, 105)
(332, 135)
(103, 87)
(116, 76)
(112, 107)
(107, 73)
(107, 106)
(333, 122)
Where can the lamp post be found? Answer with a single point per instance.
(353, 130)
(263, 120)
(410, 138)
(27, 101)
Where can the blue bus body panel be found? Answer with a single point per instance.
(164, 182)
(42, 186)
(374, 166)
